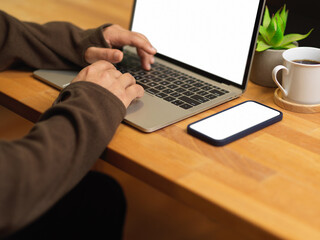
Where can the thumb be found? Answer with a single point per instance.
(94, 54)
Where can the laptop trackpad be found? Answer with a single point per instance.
(150, 113)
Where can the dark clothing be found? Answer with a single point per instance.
(54, 45)
(39, 169)
(94, 209)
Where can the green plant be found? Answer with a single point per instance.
(271, 32)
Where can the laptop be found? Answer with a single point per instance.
(205, 49)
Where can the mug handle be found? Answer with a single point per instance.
(274, 77)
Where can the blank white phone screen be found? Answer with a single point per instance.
(234, 120)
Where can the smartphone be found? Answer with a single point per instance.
(233, 123)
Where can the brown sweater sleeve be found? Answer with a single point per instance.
(54, 45)
(37, 170)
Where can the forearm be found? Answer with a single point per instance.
(36, 171)
(55, 45)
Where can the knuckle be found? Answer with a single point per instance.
(130, 77)
(105, 75)
(105, 64)
(108, 64)
(138, 38)
(89, 69)
(142, 36)
(117, 71)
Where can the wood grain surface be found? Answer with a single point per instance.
(264, 185)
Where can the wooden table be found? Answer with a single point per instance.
(262, 186)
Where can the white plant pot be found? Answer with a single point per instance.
(262, 66)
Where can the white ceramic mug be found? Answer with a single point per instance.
(300, 81)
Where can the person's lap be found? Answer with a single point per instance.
(94, 209)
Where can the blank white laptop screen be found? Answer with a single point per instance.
(211, 35)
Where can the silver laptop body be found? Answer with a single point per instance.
(207, 41)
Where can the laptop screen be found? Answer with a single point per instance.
(214, 36)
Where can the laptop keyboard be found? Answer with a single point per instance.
(169, 84)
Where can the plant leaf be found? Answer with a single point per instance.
(271, 29)
(284, 16)
(266, 18)
(264, 34)
(262, 46)
(277, 38)
(290, 45)
(289, 38)
(271, 32)
(280, 22)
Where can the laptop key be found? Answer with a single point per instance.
(160, 87)
(198, 84)
(182, 78)
(189, 101)
(194, 89)
(152, 84)
(156, 79)
(185, 106)
(180, 90)
(175, 75)
(164, 83)
(171, 79)
(163, 75)
(178, 82)
(169, 98)
(203, 93)
(175, 94)
(207, 88)
(145, 87)
(168, 71)
(186, 86)
(141, 73)
(199, 98)
(172, 86)
(216, 92)
(152, 91)
(159, 68)
(143, 80)
(177, 102)
(210, 96)
(190, 81)
(188, 93)
(161, 95)
(168, 91)
(156, 73)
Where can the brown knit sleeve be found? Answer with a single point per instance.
(54, 45)
(37, 170)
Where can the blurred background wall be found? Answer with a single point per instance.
(303, 16)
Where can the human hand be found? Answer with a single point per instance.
(118, 37)
(105, 74)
